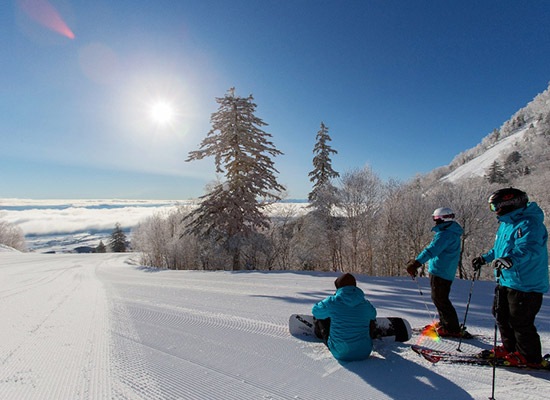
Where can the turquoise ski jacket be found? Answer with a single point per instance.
(443, 252)
(350, 315)
(523, 238)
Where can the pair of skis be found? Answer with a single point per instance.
(435, 356)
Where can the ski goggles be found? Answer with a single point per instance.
(443, 218)
(493, 207)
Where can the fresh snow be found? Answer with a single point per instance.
(99, 326)
(4, 248)
(479, 165)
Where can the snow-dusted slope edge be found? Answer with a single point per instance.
(479, 165)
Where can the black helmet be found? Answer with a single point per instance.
(505, 200)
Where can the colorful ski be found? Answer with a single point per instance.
(435, 356)
(430, 331)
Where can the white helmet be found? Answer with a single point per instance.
(443, 214)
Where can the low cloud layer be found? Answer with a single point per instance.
(54, 217)
(63, 217)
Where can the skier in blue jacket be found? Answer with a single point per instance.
(520, 260)
(443, 255)
(343, 321)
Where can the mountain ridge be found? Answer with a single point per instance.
(526, 133)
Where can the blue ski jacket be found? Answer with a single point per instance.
(523, 238)
(350, 315)
(443, 252)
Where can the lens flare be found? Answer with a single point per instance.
(429, 333)
(46, 15)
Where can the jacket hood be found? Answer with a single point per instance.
(451, 226)
(532, 210)
(350, 295)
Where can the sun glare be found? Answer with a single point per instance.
(162, 112)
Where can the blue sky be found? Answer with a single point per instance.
(403, 86)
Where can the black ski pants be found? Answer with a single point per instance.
(322, 329)
(515, 314)
(441, 289)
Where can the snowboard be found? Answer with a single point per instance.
(387, 328)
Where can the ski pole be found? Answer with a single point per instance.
(477, 273)
(497, 301)
(432, 316)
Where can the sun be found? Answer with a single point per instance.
(162, 112)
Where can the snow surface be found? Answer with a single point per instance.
(4, 248)
(97, 326)
(479, 165)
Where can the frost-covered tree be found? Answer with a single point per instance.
(360, 201)
(11, 235)
(160, 242)
(408, 211)
(513, 158)
(118, 242)
(390, 259)
(242, 151)
(101, 248)
(495, 173)
(324, 195)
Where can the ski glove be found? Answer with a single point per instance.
(503, 263)
(412, 267)
(477, 263)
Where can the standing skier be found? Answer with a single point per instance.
(343, 321)
(520, 259)
(443, 254)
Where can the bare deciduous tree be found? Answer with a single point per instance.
(11, 235)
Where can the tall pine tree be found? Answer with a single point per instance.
(324, 194)
(243, 152)
(495, 173)
(118, 241)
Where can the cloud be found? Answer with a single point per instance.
(65, 217)
(62, 217)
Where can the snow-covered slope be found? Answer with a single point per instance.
(525, 132)
(6, 249)
(93, 326)
(479, 165)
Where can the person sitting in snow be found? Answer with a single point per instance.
(443, 254)
(343, 321)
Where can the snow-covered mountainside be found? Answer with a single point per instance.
(526, 133)
(479, 165)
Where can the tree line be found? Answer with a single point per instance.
(354, 222)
